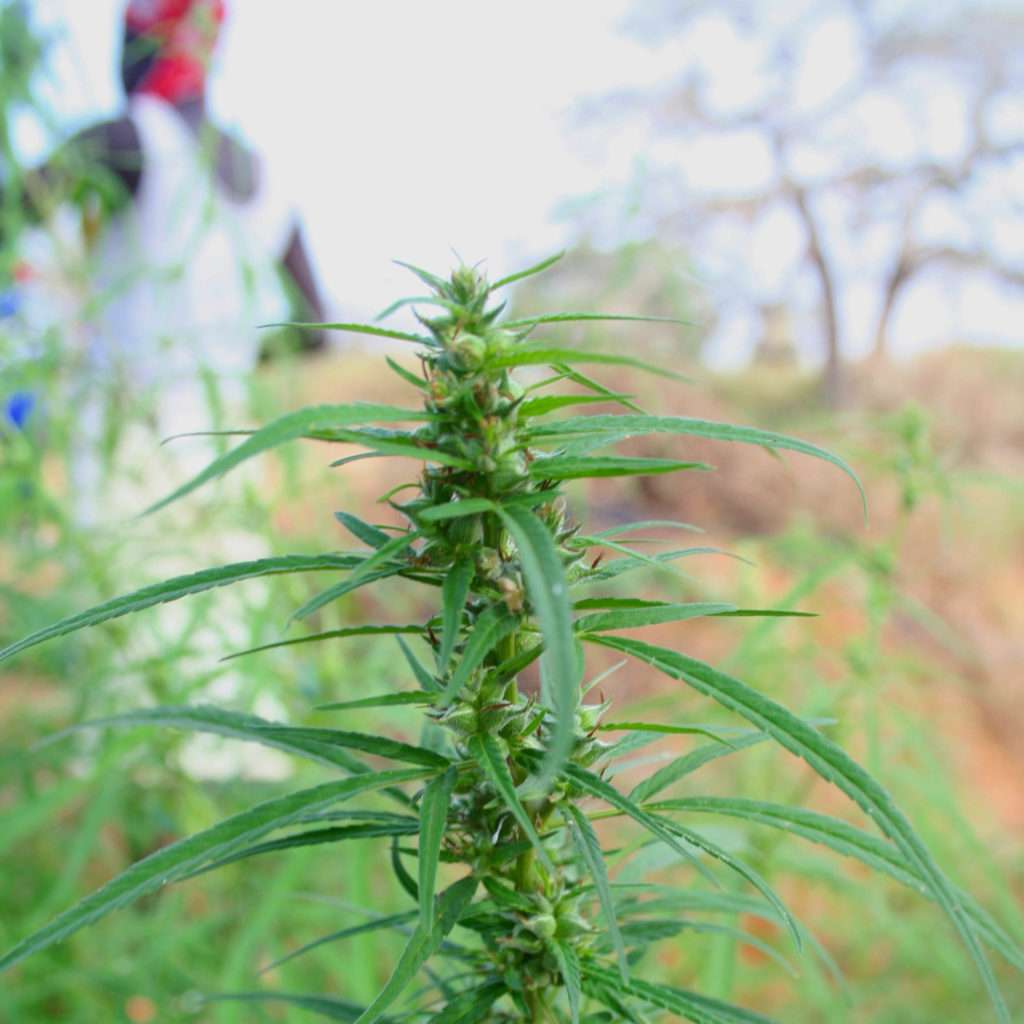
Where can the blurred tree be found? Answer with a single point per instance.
(824, 154)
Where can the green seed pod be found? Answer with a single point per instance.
(589, 715)
(460, 718)
(542, 925)
(571, 925)
(466, 531)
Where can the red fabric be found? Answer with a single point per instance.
(184, 33)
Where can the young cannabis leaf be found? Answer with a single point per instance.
(514, 903)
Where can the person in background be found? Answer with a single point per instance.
(189, 243)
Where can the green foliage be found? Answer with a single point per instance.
(518, 908)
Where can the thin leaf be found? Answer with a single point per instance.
(223, 722)
(548, 591)
(423, 677)
(834, 765)
(684, 730)
(367, 569)
(492, 626)
(423, 942)
(744, 871)
(407, 375)
(287, 428)
(317, 837)
(648, 615)
(596, 786)
(535, 269)
(185, 856)
(178, 587)
(470, 1007)
(609, 429)
(381, 701)
(564, 318)
(484, 749)
(391, 921)
(372, 535)
(381, 746)
(532, 407)
(557, 467)
(377, 332)
(849, 841)
(454, 592)
(392, 443)
(569, 965)
(697, 1008)
(323, 1006)
(331, 634)
(433, 818)
(534, 355)
(590, 846)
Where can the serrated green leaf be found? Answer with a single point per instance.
(849, 841)
(223, 722)
(407, 375)
(605, 430)
(186, 855)
(683, 766)
(423, 677)
(318, 837)
(529, 272)
(331, 634)
(569, 467)
(834, 765)
(493, 625)
(437, 798)
(390, 921)
(456, 509)
(178, 587)
(289, 427)
(683, 730)
(596, 786)
(448, 908)
(431, 280)
(590, 846)
(355, 328)
(381, 701)
(545, 404)
(507, 897)
(743, 870)
(323, 1006)
(651, 613)
(470, 1007)
(486, 752)
(368, 534)
(382, 746)
(392, 443)
(646, 524)
(539, 355)
(569, 965)
(454, 592)
(548, 591)
(697, 1008)
(566, 318)
(370, 568)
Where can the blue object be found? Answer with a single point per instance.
(18, 407)
(10, 303)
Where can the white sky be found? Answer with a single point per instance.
(405, 128)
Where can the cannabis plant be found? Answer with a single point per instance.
(518, 909)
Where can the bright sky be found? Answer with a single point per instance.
(404, 129)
